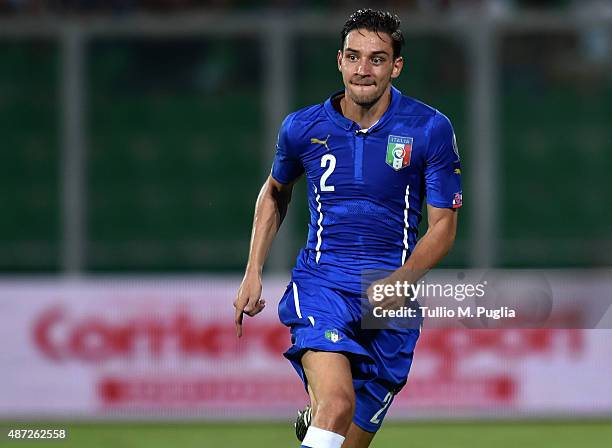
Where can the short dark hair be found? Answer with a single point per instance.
(375, 21)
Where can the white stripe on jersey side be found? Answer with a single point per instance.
(406, 225)
(296, 301)
(320, 224)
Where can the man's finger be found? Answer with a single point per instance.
(391, 303)
(238, 320)
(239, 326)
(248, 306)
(256, 308)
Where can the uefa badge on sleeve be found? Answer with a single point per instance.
(398, 151)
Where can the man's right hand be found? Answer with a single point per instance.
(270, 210)
(249, 299)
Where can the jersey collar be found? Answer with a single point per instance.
(347, 124)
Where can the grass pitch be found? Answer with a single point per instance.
(537, 434)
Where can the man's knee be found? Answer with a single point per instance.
(331, 385)
(335, 411)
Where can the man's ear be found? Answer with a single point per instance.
(398, 65)
(339, 60)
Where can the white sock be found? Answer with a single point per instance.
(320, 438)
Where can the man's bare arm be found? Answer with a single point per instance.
(430, 249)
(270, 210)
(434, 245)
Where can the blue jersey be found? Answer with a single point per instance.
(366, 186)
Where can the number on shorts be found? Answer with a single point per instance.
(386, 403)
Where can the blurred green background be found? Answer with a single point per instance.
(174, 149)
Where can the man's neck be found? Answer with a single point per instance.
(365, 117)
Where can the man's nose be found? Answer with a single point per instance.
(363, 67)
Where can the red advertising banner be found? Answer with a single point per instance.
(167, 347)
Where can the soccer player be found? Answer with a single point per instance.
(370, 156)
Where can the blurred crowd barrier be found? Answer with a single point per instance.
(133, 347)
(139, 145)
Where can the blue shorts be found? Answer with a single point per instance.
(326, 319)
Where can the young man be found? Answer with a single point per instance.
(371, 156)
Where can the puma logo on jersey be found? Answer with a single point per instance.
(321, 142)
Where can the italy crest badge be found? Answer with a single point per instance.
(398, 151)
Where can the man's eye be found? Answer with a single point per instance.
(352, 57)
(377, 61)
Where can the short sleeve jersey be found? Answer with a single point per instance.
(366, 187)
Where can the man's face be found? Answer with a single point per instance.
(367, 65)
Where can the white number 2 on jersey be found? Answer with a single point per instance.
(330, 169)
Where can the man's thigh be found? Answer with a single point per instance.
(324, 320)
(327, 372)
(371, 402)
(330, 385)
